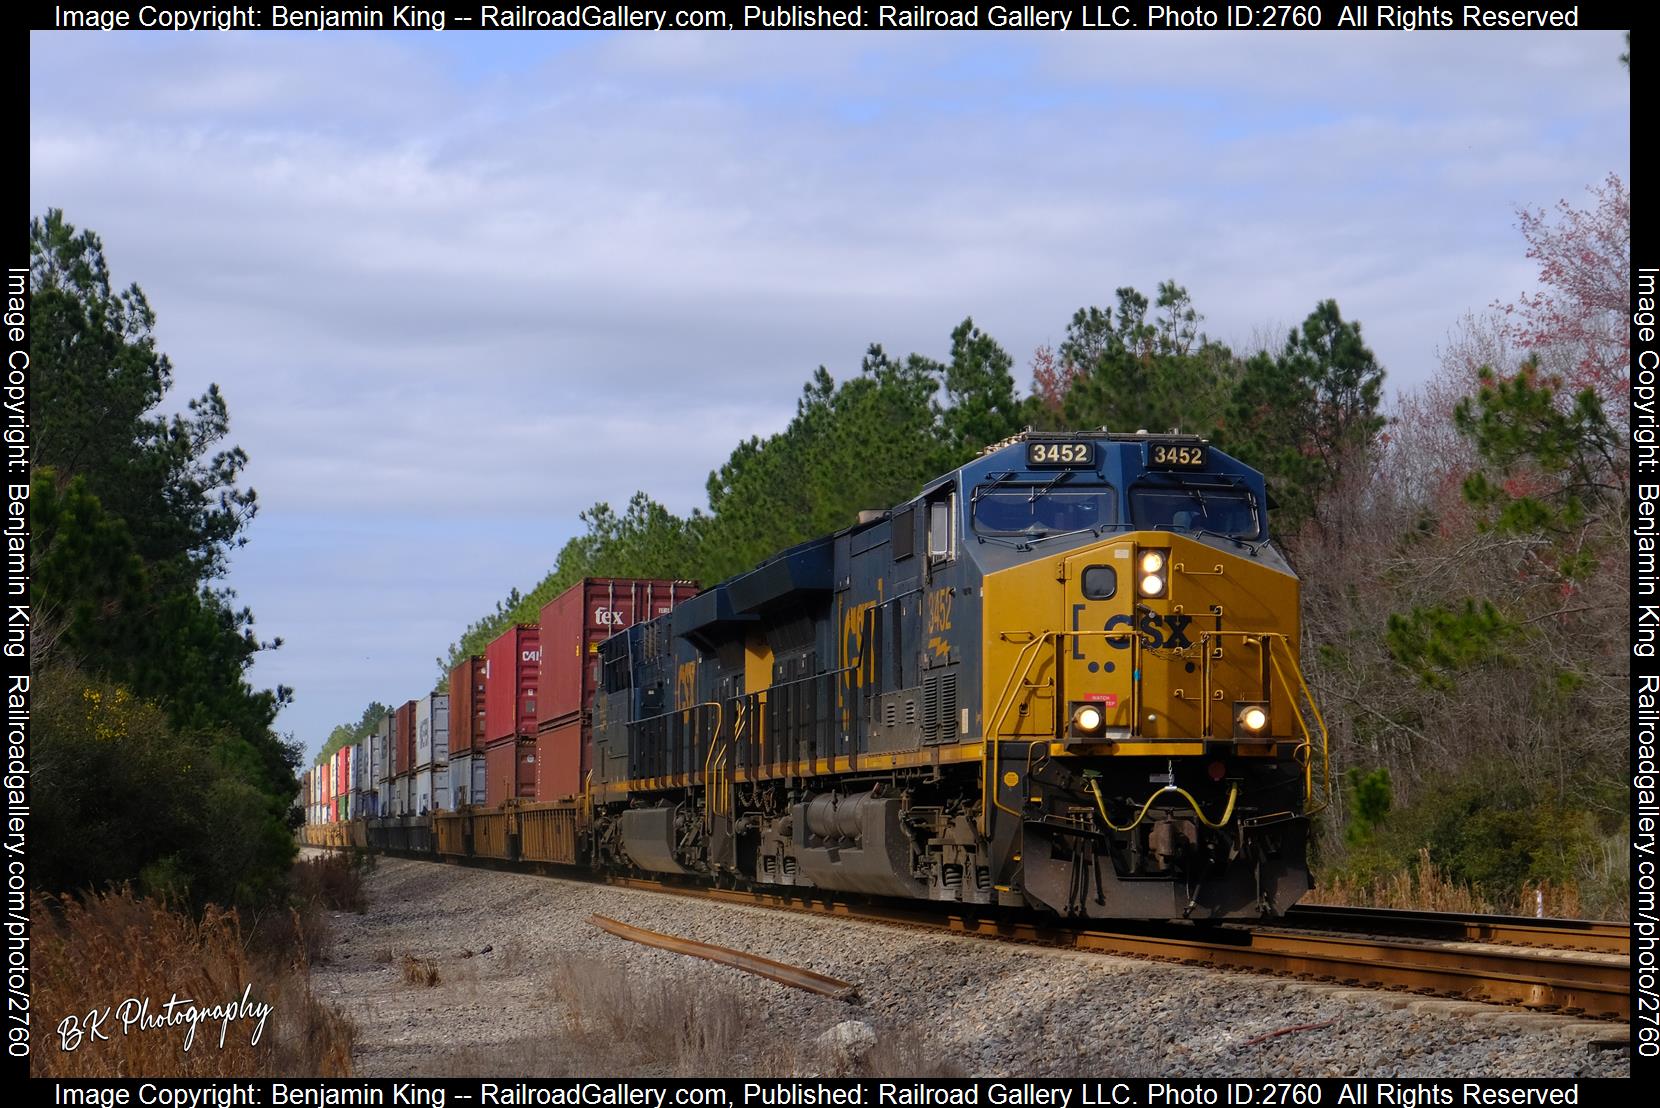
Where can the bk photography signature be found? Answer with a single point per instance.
(138, 1014)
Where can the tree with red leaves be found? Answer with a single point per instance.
(1577, 322)
(1052, 379)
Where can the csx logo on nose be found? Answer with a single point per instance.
(608, 617)
(1157, 631)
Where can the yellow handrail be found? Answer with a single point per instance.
(714, 740)
(990, 748)
(1307, 747)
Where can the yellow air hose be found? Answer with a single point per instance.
(1227, 813)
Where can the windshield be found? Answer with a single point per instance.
(1027, 509)
(1231, 512)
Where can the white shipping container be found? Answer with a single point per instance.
(432, 789)
(432, 730)
(467, 779)
(461, 779)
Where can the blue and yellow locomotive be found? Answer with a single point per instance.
(1064, 675)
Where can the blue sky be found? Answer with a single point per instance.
(457, 287)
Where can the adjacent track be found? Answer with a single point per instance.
(1554, 934)
(1551, 979)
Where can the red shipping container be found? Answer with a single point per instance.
(576, 621)
(509, 771)
(511, 665)
(559, 758)
(403, 738)
(341, 785)
(467, 695)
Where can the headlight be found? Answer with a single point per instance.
(1253, 718)
(1088, 719)
(1152, 565)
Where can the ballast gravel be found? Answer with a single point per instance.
(528, 988)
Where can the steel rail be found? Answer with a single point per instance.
(797, 977)
(1557, 934)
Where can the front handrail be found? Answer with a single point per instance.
(1316, 740)
(991, 748)
(1306, 751)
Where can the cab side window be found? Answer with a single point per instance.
(942, 527)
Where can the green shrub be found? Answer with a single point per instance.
(123, 794)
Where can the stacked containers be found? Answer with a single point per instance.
(382, 740)
(403, 756)
(406, 759)
(512, 663)
(325, 792)
(363, 776)
(573, 625)
(466, 757)
(432, 738)
(342, 783)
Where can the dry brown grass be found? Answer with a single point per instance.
(420, 971)
(334, 880)
(96, 954)
(1425, 888)
(616, 1021)
(611, 1022)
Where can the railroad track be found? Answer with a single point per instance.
(1574, 967)
(1556, 934)
(1553, 973)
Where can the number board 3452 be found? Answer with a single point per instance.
(1080, 454)
(1174, 455)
